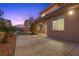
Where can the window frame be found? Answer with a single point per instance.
(57, 19)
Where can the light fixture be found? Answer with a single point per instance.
(70, 12)
(43, 15)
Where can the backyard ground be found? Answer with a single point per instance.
(39, 45)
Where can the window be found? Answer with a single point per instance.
(55, 25)
(58, 24)
(61, 24)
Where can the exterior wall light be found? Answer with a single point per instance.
(43, 15)
(71, 12)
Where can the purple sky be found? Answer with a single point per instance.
(18, 12)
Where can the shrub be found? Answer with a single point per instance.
(33, 28)
(7, 30)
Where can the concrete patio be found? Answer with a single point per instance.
(39, 45)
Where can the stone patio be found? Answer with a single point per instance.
(39, 45)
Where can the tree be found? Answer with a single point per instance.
(4, 28)
(33, 28)
(2, 25)
(1, 12)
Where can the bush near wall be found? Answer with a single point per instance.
(7, 39)
(2, 34)
(8, 48)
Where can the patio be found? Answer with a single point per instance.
(39, 45)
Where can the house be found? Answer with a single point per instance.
(40, 26)
(27, 24)
(62, 21)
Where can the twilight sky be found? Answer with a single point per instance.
(18, 12)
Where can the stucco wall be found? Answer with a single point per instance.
(71, 27)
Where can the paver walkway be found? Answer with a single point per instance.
(37, 45)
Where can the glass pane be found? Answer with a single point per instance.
(61, 24)
(55, 25)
